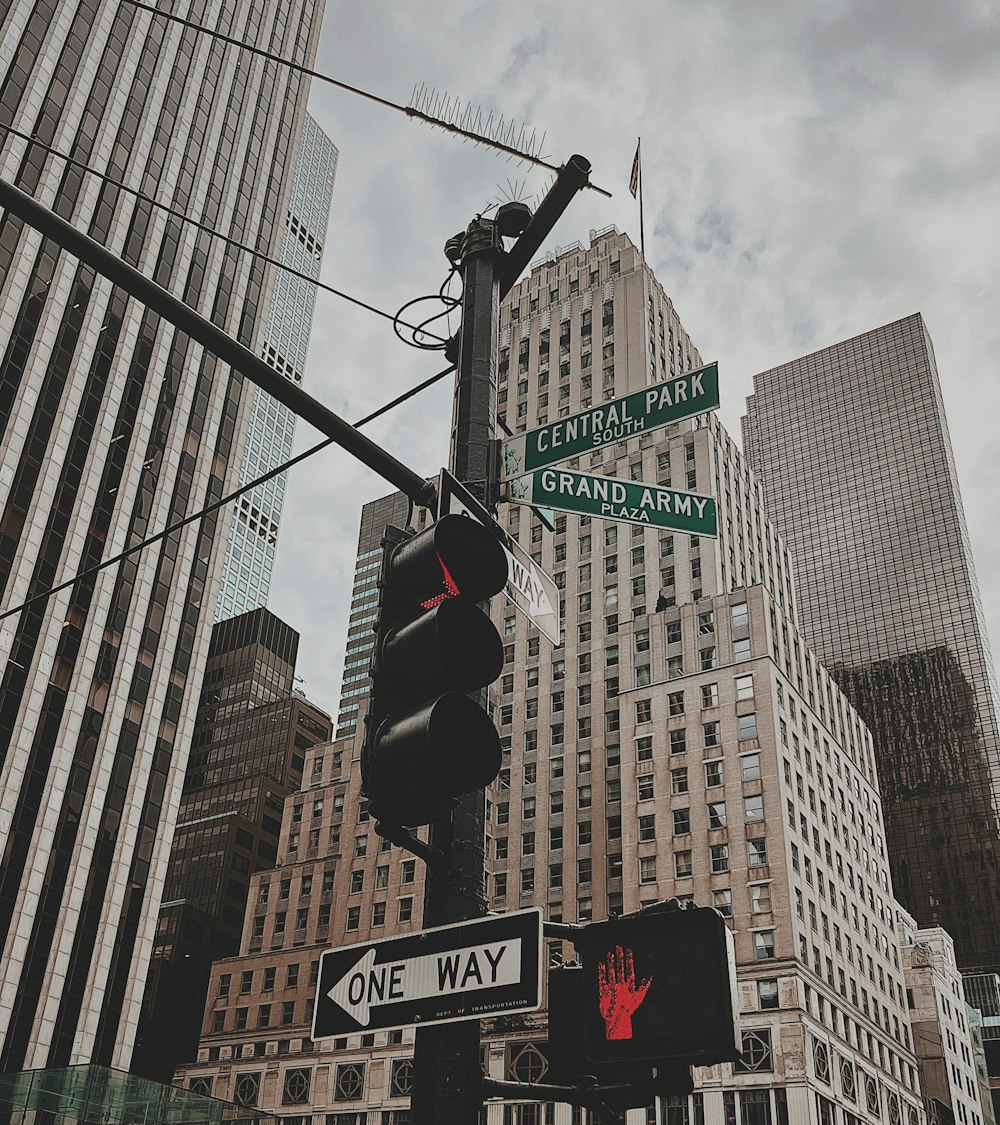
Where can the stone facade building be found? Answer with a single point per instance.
(949, 1054)
(684, 741)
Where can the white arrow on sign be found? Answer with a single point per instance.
(368, 985)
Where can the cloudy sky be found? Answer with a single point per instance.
(810, 170)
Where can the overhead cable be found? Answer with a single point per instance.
(90, 571)
(410, 111)
(218, 234)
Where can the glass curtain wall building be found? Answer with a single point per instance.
(253, 534)
(375, 516)
(112, 426)
(852, 449)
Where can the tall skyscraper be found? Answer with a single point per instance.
(684, 741)
(364, 598)
(253, 533)
(852, 450)
(250, 739)
(112, 425)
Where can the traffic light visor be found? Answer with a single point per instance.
(455, 557)
(442, 750)
(455, 647)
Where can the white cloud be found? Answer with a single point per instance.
(810, 172)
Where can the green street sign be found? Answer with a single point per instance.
(692, 393)
(627, 501)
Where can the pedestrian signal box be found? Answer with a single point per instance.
(658, 986)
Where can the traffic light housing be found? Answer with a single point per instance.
(427, 741)
(658, 986)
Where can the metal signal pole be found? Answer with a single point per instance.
(447, 1073)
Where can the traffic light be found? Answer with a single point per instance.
(426, 740)
(658, 986)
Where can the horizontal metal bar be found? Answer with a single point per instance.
(218, 343)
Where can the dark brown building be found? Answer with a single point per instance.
(251, 735)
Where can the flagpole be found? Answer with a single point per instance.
(642, 224)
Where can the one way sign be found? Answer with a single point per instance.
(484, 967)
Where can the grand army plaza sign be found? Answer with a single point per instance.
(613, 499)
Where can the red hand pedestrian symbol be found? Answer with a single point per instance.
(619, 995)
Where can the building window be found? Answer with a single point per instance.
(719, 857)
(710, 695)
(763, 945)
(647, 828)
(767, 994)
(760, 898)
(713, 774)
(757, 852)
(753, 808)
(747, 726)
(821, 1060)
(712, 733)
(647, 869)
(682, 865)
(643, 711)
(679, 781)
(750, 767)
(755, 1051)
(247, 1089)
(401, 1080)
(723, 902)
(744, 687)
(644, 787)
(350, 1082)
(644, 748)
(717, 814)
(682, 821)
(295, 1089)
(405, 909)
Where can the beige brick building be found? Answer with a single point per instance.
(683, 741)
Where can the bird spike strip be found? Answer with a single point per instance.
(473, 123)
